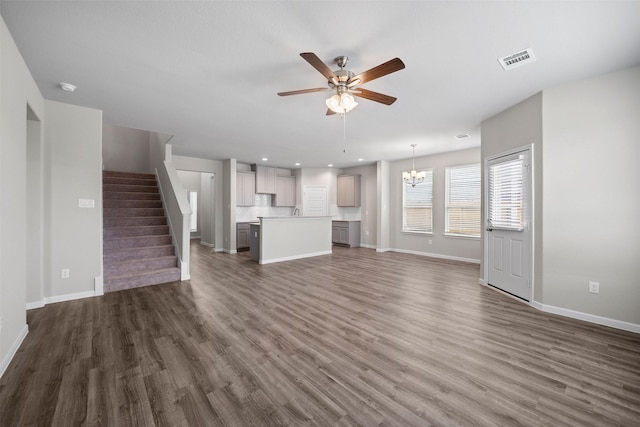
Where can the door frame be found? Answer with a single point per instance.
(532, 219)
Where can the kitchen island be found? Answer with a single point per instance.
(291, 237)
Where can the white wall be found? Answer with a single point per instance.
(437, 244)
(125, 149)
(73, 138)
(17, 90)
(591, 195)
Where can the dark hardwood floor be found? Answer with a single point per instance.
(354, 338)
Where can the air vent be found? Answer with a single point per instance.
(462, 136)
(517, 59)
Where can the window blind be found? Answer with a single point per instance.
(417, 205)
(506, 195)
(462, 200)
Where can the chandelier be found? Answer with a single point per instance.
(413, 178)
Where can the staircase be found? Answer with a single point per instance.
(137, 246)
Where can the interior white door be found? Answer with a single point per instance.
(314, 201)
(508, 223)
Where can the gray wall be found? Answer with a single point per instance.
(592, 195)
(73, 138)
(460, 248)
(17, 90)
(367, 212)
(125, 149)
(586, 193)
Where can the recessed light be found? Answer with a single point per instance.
(462, 136)
(330, 165)
(360, 160)
(264, 159)
(67, 87)
(297, 164)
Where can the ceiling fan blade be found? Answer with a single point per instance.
(317, 63)
(374, 96)
(330, 112)
(301, 91)
(388, 67)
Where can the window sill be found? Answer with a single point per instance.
(461, 236)
(418, 233)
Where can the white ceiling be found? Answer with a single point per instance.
(208, 72)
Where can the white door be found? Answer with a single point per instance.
(508, 230)
(314, 201)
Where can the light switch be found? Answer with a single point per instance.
(86, 203)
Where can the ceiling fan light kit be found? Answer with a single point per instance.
(345, 83)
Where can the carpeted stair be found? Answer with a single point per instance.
(137, 247)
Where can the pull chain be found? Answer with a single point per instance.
(344, 132)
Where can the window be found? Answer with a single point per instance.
(462, 200)
(506, 194)
(417, 206)
(193, 203)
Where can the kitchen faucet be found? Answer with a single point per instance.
(296, 212)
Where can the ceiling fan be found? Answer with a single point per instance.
(346, 84)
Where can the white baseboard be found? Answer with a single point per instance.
(592, 318)
(383, 249)
(362, 245)
(35, 304)
(69, 297)
(209, 245)
(290, 258)
(13, 349)
(440, 256)
(229, 251)
(613, 323)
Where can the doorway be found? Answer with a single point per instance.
(314, 201)
(508, 226)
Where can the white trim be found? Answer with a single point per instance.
(35, 304)
(363, 245)
(184, 271)
(13, 349)
(565, 312)
(427, 254)
(383, 249)
(98, 285)
(618, 324)
(209, 245)
(230, 251)
(290, 258)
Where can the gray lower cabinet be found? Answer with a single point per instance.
(346, 233)
(243, 236)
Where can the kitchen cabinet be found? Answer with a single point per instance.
(243, 236)
(349, 190)
(265, 180)
(346, 233)
(285, 191)
(245, 188)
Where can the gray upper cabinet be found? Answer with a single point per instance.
(349, 190)
(265, 180)
(285, 191)
(245, 188)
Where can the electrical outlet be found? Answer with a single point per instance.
(64, 273)
(594, 287)
(430, 242)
